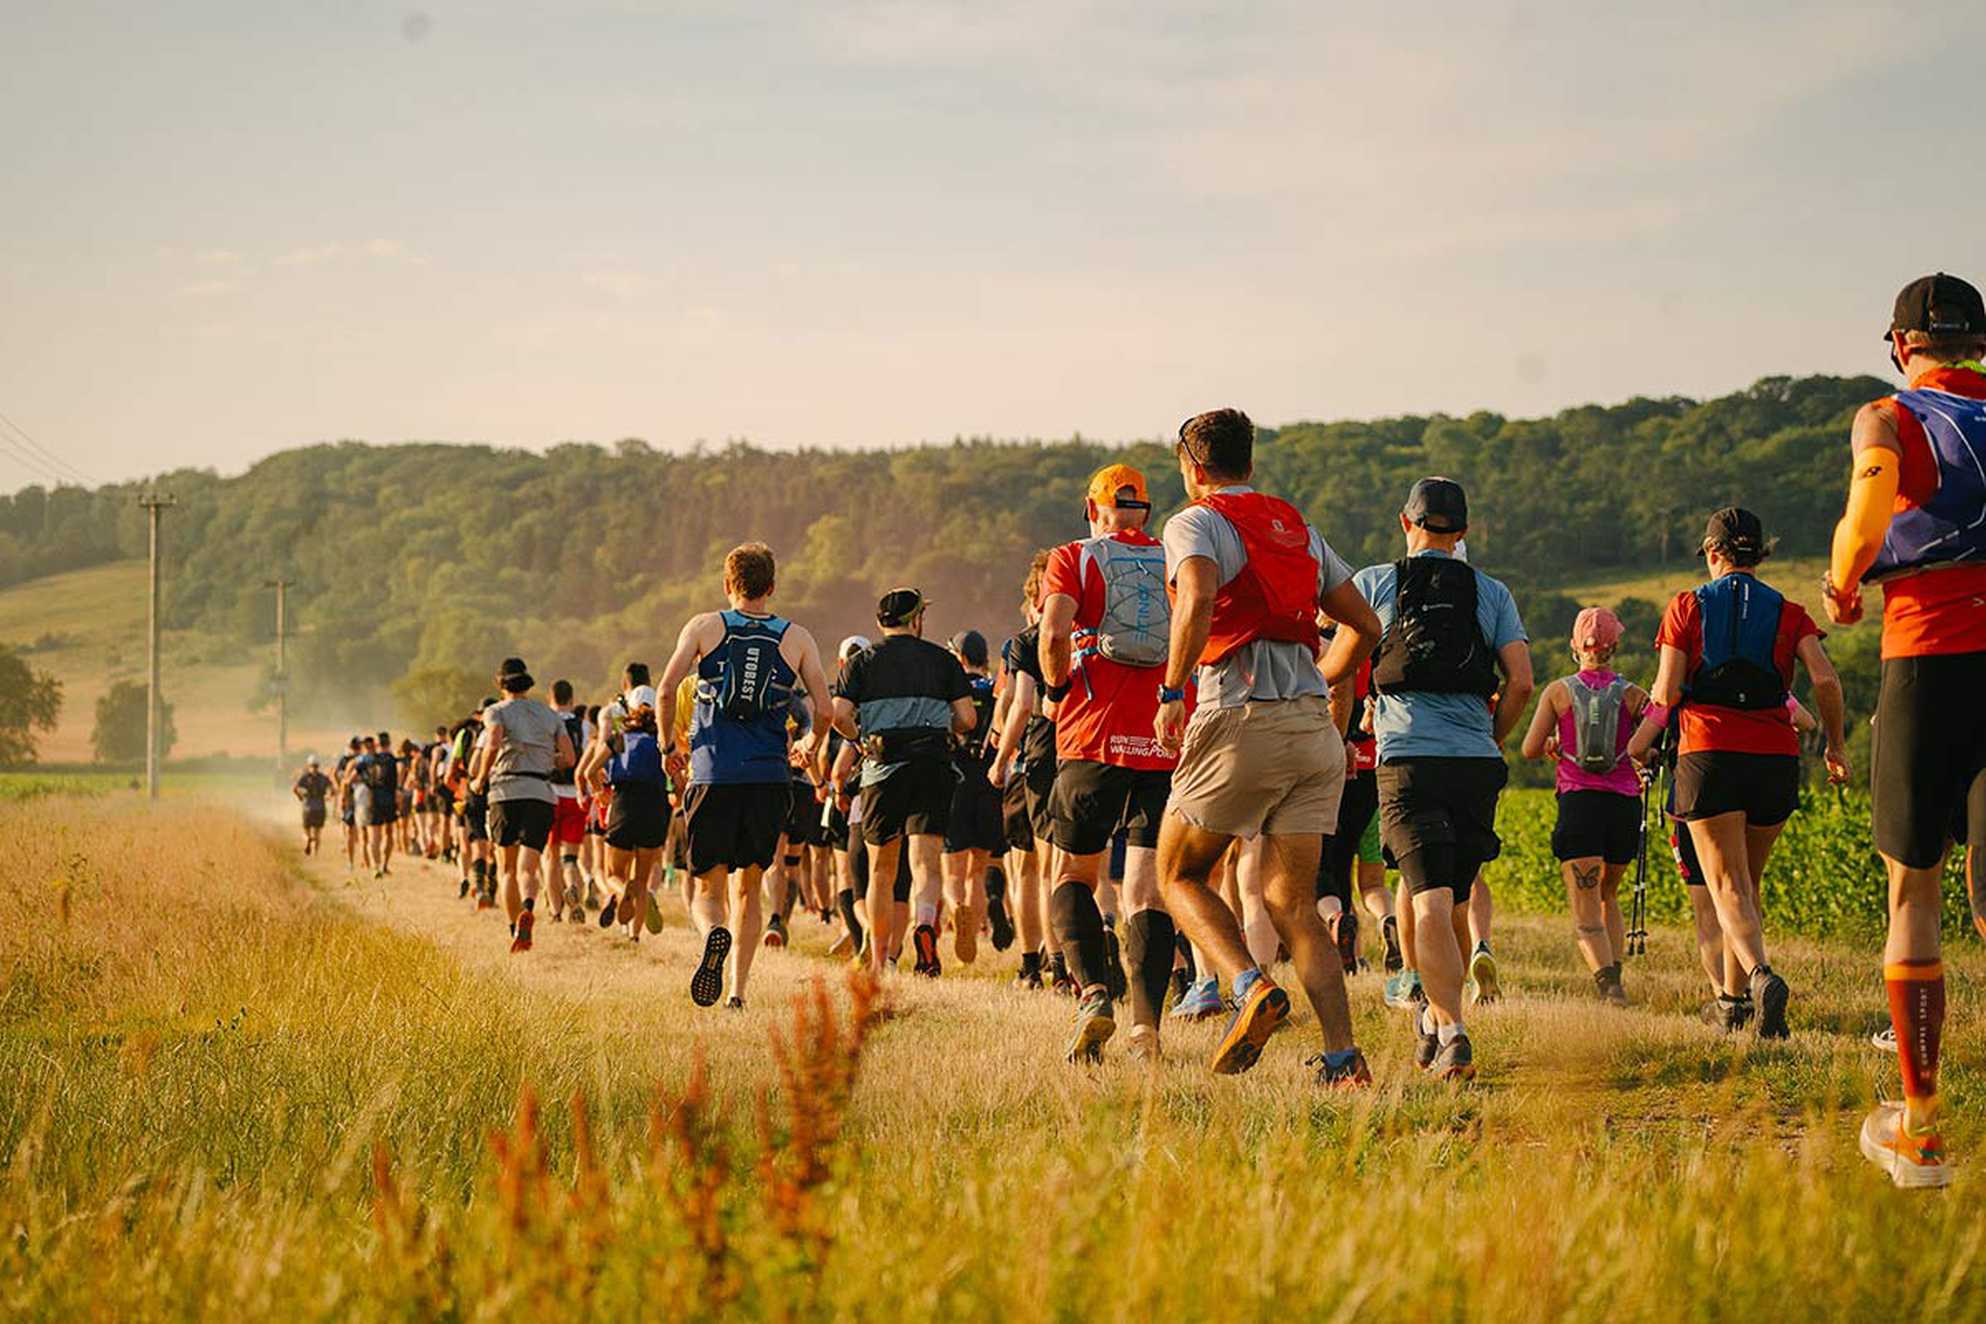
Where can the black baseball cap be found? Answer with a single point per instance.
(1940, 305)
(1438, 505)
(1736, 529)
(897, 606)
(970, 645)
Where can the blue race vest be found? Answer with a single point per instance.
(743, 688)
(640, 760)
(1951, 526)
(1740, 619)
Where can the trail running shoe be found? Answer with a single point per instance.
(1483, 988)
(1913, 1159)
(1175, 986)
(462, 892)
(1348, 941)
(925, 939)
(486, 899)
(1202, 1000)
(1454, 1060)
(1143, 1044)
(1094, 1026)
(1885, 1039)
(1003, 927)
(707, 984)
(1114, 981)
(775, 932)
(1062, 984)
(734, 1004)
(651, 914)
(1772, 995)
(1426, 1042)
(1347, 1073)
(1613, 994)
(607, 914)
(1727, 1014)
(1259, 1011)
(1028, 979)
(1403, 991)
(522, 942)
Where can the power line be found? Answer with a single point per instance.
(47, 454)
(37, 470)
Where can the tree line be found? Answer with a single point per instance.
(418, 565)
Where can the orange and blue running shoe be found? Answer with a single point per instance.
(1913, 1159)
(1259, 1007)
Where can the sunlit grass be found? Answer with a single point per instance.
(199, 1053)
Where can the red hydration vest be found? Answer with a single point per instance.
(1275, 595)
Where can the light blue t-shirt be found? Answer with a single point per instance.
(1439, 725)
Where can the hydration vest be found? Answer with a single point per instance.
(1435, 644)
(974, 746)
(1951, 526)
(1275, 595)
(1596, 724)
(639, 760)
(1136, 625)
(1739, 617)
(575, 731)
(743, 689)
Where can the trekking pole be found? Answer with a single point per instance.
(1637, 932)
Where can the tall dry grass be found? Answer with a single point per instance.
(220, 1095)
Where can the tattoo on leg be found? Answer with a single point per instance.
(1587, 878)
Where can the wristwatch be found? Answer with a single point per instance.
(1167, 694)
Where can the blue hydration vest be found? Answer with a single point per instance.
(1951, 526)
(743, 689)
(640, 760)
(1740, 620)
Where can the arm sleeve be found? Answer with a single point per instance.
(1872, 494)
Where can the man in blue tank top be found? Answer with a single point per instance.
(748, 663)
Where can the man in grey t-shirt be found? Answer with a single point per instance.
(1262, 760)
(524, 742)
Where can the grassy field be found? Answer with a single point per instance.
(87, 629)
(228, 1088)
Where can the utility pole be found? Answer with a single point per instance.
(153, 504)
(282, 676)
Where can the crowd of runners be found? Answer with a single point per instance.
(1182, 780)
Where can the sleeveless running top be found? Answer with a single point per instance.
(1621, 779)
(1950, 527)
(725, 749)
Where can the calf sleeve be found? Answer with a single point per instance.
(1079, 924)
(1148, 952)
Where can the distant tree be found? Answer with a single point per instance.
(429, 695)
(30, 701)
(119, 736)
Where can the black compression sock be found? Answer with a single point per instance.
(1148, 951)
(1079, 924)
(1030, 963)
(1185, 950)
(849, 917)
(1058, 966)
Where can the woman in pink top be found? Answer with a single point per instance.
(1583, 723)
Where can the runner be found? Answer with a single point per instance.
(976, 830)
(568, 815)
(311, 789)
(1583, 724)
(524, 743)
(1262, 756)
(1453, 640)
(379, 771)
(1351, 854)
(1105, 624)
(902, 700)
(623, 764)
(747, 662)
(593, 851)
(1916, 523)
(1727, 652)
(831, 768)
(1027, 743)
(441, 796)
(345, 776)
(478, 862)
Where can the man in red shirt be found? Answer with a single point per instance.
(1916, 523)
(1104, 627)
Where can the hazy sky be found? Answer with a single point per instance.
(232, 228)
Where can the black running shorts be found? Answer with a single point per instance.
(1437, 817)
(638, 817)
(735, 825)
(914, 800)
(1927, 765)
(1338, 861)
(977, 820)
(526, 823)
(1013, 810)
(476, 816)
(1765, 788)
(313, 813)
(803, 817)
(1603, 825)
(1092, 801)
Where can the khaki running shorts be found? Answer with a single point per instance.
(1276, 767)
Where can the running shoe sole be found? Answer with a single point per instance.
(651, 916)
(1482, 977)
(522, 942)
(707, 984)
(1257, 1019)
(1908, 1175)
(1348, 941)
(925, 940)
(1092, 1033)
(607, 914)
(1003, 928)
(1772, 1000)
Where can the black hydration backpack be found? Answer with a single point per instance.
(1434, 645)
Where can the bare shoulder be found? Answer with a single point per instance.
(799, 641)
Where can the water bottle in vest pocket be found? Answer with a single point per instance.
(1137, 614)
(1740, 621)
(1596, 724)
